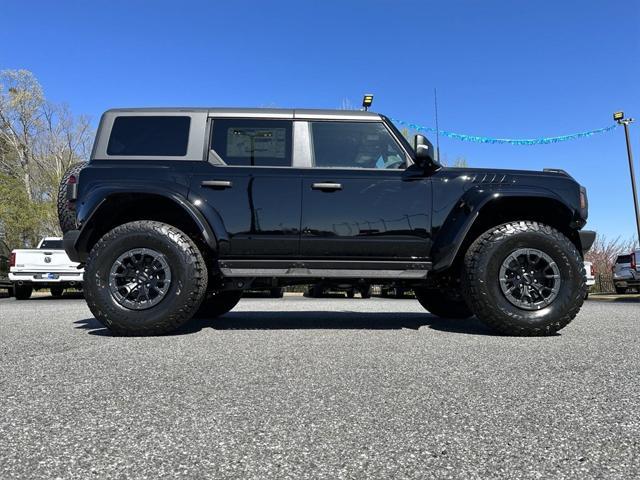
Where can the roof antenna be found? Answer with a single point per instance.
(435, 100)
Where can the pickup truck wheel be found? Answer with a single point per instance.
(23, 292)
(443, 303)
(144, 278)
(66, 215)
(277, 292)
(524, 278)
(57, 292)
(216, 304)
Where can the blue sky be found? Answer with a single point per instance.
(502, 68)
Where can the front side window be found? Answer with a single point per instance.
(248, 142)
(156, 136)
(355, 145)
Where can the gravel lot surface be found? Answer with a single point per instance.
(331, 388)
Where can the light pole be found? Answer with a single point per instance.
(619, 117)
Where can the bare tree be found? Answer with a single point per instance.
(21, 101)
(604, 251)
(39, 140)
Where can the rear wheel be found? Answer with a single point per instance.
(524, 278)
(22, 292)
(57, 292)
(445, 303)
(144, 278)
(66, 214)
(216, 304)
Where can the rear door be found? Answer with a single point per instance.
(249, 187)
(361, 201)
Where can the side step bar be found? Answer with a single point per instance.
(324, 269)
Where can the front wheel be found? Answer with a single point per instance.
(524, 278)
(144, 278)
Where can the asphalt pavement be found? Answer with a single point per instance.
(320, 389)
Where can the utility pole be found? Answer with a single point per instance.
(435, 101)
(619, 117)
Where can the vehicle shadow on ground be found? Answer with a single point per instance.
(316, 320)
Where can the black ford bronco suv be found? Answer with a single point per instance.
(179, 210)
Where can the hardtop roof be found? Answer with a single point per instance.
(261, 112)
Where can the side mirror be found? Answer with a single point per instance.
(425, 156)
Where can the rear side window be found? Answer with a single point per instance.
(249, 142)
(624, 259)
(149, 136)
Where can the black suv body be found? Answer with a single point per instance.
(203, 203)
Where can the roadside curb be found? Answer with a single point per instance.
(631, 298)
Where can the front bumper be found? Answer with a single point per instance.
(587, 237)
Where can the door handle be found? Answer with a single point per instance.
(217, 184)
(329, 186)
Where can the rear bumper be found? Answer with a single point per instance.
(43, 277)
(69, 242)
(587, 237)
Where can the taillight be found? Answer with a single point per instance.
(593, 270)
(12, 259)
(633, 260)
(72, 189)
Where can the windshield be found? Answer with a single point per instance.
(403, 140)
(51, 244)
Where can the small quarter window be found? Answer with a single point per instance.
(149, 136)
(355, 145)
(252, 142)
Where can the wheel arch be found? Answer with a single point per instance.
(472, 216)
(104, 213)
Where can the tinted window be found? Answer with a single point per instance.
(355, 145)
(52, 245)
(153, 136)
(624, 259)
(252, 142)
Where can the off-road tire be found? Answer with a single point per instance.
(186, 291)
(481, 285)
(23, 292)
(56, 292)
(216, 304)
(443, 303)
(67, 216)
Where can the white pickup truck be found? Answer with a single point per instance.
(46, 267)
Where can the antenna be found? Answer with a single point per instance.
(435, 100)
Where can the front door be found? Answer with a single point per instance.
(361, 201)
(249, 185)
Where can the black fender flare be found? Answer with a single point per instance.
(464, 214)
(89, 210)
